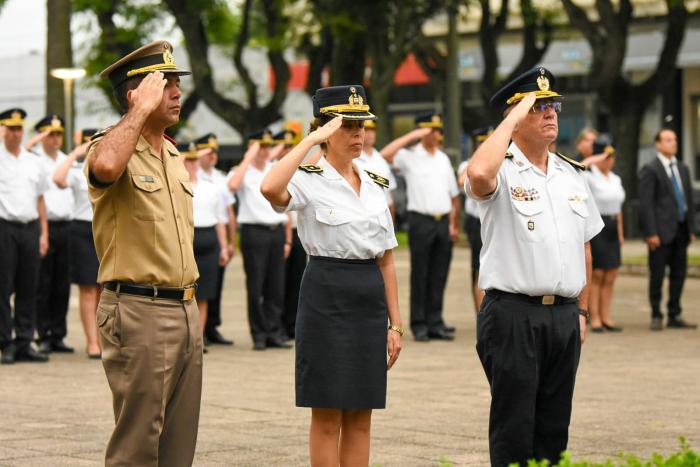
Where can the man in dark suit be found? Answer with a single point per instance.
(667, 221)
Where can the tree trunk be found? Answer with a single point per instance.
(379, 101)
(348, 62)
(59, 53)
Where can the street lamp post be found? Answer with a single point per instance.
(68, 76)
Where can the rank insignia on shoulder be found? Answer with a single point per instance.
(575, 164)
(509, 155)
(311, 168)
(378, 179)
(100, 133)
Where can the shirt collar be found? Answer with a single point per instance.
(519, 159)
(330, 173)
(666, 161)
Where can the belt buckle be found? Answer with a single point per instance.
(188, 294)
(548, 299)
(437, 217)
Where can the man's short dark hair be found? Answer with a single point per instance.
(122, 89)
(657, 138)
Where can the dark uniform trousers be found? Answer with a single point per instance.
(262, 247)
(295, 267)
(214, 308)
(674, 255)
(19, 270)
(152, 356)
(530, 354)
(54, 284)
(431, 253)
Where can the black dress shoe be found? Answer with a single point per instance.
(45, 347)
(421, 337)
(61, 347)
(611, 328)
(259, 345)
(215, 337)
(450, 329)
(680, 323)
(277, 343)
(8, 355)
(94, 356)
(28, 354)
(597, 329)
(656, 324)
(441, 335)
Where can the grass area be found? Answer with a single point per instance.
(693, 260)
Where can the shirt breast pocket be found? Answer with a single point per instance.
(333, 226)
(189, 195)
(529, 225)
(579, 216)
(147, 204)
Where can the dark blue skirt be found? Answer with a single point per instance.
(341, 332)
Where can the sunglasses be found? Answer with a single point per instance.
(541, 107)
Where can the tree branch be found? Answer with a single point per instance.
(248, 84)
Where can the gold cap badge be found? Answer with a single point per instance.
(543, 81)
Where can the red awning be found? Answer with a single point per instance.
(410, 72)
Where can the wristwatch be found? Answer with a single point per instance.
(585, 313)
(396, 328)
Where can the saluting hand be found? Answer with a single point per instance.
(251, 152)
(149, 93)
(37, 139)
(393, 341)
(523, 107)
(321, 134)
(419, 133)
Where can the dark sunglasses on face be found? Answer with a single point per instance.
(541, 107)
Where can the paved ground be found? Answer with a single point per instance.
(636, 392)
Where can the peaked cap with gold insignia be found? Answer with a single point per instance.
(156, 56)
(207, 141)
(539, 80)
(52, 123)
(287, 137)
(86, 134)
(429, 120)
(264, 137)
(188, 150)
(13, 117)
(349, 102)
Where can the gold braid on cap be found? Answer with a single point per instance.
(355, 104)
(168, 64)
(518, 96)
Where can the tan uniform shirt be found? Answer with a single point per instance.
(143, 224)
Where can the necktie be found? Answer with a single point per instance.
(680, 199)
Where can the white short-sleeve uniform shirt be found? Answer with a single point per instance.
(430, 180)
(253, 208)
(375, 162)
(534, 227)
(60, 203)
(607, 191)
(471, 207)
(78, 184)
(334, 221)
(208, 206)
(221, 181)
(22, 181)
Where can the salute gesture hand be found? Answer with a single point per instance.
(321, 134)
(149, 93)
(523, 107)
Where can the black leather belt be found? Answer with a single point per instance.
(263, 226)
(537, 300)
(19, 224)
(432, 217)
(169, 293)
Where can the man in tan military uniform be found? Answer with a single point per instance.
(143, 229)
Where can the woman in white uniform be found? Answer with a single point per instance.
(84, 263)
(606, 188)
(348, 317)
(210, 220)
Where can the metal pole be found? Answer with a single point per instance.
(68, 107)
(453, 99)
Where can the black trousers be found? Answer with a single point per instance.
(214, 309)
(431, 253)
(675, 256)
(19, 271)
(530, 355)
(54, 284)
(263, 261)
(294, 271)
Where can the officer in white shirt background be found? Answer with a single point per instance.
(295, 263)
(266, 239)
(24, 238)
(472, 223)
(84, 264)
(433, 217)
(537, 218)
(54, 280)
(372, 160)
(208, 147)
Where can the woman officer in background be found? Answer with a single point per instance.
(349, 289)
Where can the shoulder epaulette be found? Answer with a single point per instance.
(100, 133)
(378, 179)
(575, 164)
(169, 139)
(509, 155)
(311, 168)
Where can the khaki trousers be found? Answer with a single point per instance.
(152, 356)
